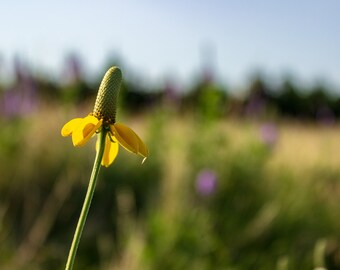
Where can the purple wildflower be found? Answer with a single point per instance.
(325, 116)
(269, 134)
(206, 182)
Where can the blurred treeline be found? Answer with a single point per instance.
(288, 98)
(219, 191)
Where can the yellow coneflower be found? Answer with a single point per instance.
(103, 119)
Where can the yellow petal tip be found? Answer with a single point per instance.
(144, 160)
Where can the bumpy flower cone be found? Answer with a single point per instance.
(103, 119)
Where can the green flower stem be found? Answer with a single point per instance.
(87, 201)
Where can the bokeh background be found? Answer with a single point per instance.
(238, 101)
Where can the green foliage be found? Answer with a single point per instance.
(153, 215)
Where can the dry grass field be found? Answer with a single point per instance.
(273, 201)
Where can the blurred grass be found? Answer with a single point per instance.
(272, 206)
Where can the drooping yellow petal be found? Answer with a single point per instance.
(126, 137)
(129, 139)
(110, 152)
(142, 149)
(85, 130)
(70, 126)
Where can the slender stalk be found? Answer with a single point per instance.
(87, 202)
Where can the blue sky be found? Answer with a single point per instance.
(160, 38)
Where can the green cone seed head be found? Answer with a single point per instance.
(106, 102)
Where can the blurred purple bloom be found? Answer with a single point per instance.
(170, 91)
(21, 98)
(325, 116)
(73, 69)
(206, 182)
(255, 106)
(269, 134)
